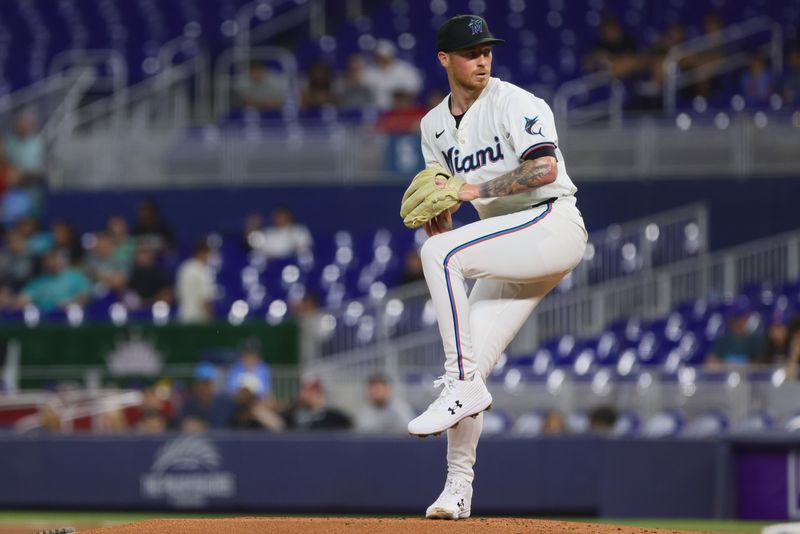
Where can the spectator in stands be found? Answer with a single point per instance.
(151, 229)
(318, 86)
(104, 267)
(738, 346)
(194, 287)
(404, 115)
(155, 411)
(6, 171)
(112, 422)
(25, 150)
(38, 241)
(66, 240)
(124, 244)
(705, 61)
(311, 411)
(351, 89)
(412, 268)
(554, 423)
(757, 82)
(57, 287)
(793, 349)
(791, 80)
(148, 283)
(614, 51)
(249, 412)
(151, 422)
(253, 224)
(389, 75)
(262, 88)
(602, 419)
(648, 92)
(284, 238)
(17, 201)
(250, 362)
(384, 413)
(16, 263)
(205, 408)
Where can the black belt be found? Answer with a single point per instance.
(543, 202)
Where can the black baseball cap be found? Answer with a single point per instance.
(464, 31)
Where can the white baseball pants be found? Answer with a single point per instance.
(517, 259)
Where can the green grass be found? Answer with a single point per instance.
(65, 517)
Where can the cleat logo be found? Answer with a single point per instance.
(453, 409)
(461, 504)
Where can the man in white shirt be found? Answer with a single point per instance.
(195, 287)
(390, 75)
(502, 141)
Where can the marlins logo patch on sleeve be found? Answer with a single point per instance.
(529, 126)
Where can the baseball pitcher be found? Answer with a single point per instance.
(495, 145)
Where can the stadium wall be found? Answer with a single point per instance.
(741, 210)
(340, 473)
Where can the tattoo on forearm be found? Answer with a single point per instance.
(530, 174)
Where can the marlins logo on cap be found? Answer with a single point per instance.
(476, 25)
(464, 31)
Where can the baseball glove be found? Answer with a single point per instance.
(424, 199)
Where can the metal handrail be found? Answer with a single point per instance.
(582, 86)
(674, 79)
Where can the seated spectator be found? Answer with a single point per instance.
(705, 61)
(151, 422)
(124, 244)
(262, 88)
(248, 411)
(148, 283)
(776, 344)
(738, 346)
(25, 149)
(253, 224)
(384, 413)
(757, 82)
(614, 50)
(602, 419)
(389, 75)
(205, 409)
(404, 115)
(104, 267)
(66, 240)
(16, 262)
(311, 411)
(194, 287)
(250, 362)
(318, 87)
(649, 92)
(38, 240)
(554, 423)
(112, 422)
(791, 79)
(155, 412)
(284, 238)
(17, 202)
(151, 229)
(7, 171)
(793, 349)
(412, 268)
(57, 287)
(352, 90)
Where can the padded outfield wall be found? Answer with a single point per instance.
(749, 479)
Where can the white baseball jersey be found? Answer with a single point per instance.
(503, 127)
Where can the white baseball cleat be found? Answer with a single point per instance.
(455, 501)
(458, 399)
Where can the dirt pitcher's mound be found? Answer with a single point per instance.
(335, 525)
